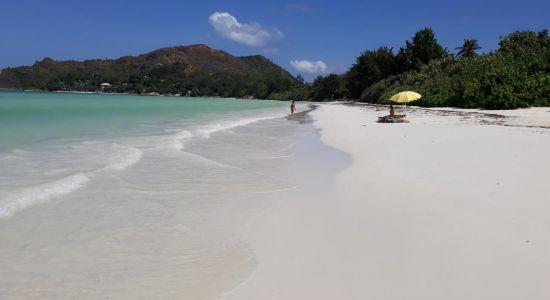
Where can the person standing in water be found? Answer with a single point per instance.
(292, 107)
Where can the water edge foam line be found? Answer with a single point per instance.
(41, 193)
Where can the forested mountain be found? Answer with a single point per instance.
(196, 70)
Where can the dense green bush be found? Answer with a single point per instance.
(518, 75)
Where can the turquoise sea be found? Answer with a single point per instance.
(30, 119)
(133, 197)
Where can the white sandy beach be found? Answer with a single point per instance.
(256, 206)
(453, 205)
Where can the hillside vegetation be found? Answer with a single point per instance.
(196, 70)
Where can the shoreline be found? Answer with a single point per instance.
(457, 110)
(132, 94)
(326, 204)
(444, 207)
(152, 217)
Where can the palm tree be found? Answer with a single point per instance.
(468, 49)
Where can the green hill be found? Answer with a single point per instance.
(196, 69)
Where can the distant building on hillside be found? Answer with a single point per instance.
(105, 86)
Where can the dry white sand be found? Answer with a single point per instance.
(454, 205)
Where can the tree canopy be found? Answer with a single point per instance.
(515, 75)
(421, 50)
(370, 67)
(468, 48)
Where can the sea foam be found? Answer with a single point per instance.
(207, 130)
(120, 158)
(124, 157)
(180, 137)
(37, 194)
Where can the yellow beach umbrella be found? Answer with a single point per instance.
(405, 97)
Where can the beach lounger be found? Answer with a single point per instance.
(394, 119)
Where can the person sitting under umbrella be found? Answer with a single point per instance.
(403, 97)
(392, 117)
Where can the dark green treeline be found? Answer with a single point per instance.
(515, 75)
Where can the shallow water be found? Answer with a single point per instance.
(52, 144)
(30, 119)
(153, 212)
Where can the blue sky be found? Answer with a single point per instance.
(319, 36)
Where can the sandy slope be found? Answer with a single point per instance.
(454, 205)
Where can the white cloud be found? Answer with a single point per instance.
(252, 34)
(309, 66)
